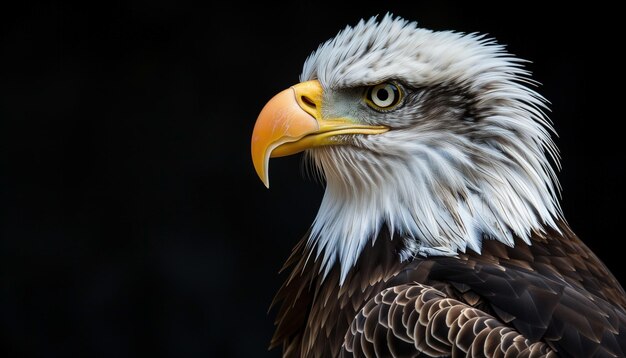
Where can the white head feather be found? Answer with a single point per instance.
(440, 182)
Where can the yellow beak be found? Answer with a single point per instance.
(292, 122)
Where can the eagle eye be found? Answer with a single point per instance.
(383, 96)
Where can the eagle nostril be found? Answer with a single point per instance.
(308, 102)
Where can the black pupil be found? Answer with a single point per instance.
(382, 94)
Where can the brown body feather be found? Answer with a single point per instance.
(551, 298)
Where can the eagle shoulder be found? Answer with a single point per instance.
(554, 295)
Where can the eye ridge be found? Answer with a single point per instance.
(384, 96)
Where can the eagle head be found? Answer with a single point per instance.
(434, 136)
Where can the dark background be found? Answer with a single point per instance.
(131, 218)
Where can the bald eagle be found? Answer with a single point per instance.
(440, 232)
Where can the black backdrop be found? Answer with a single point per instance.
(131, 218)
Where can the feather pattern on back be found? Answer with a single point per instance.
(554, 291)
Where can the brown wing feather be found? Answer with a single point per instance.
(443, 327)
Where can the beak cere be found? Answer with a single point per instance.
(292, 122)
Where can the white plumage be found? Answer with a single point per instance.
(478, 168)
